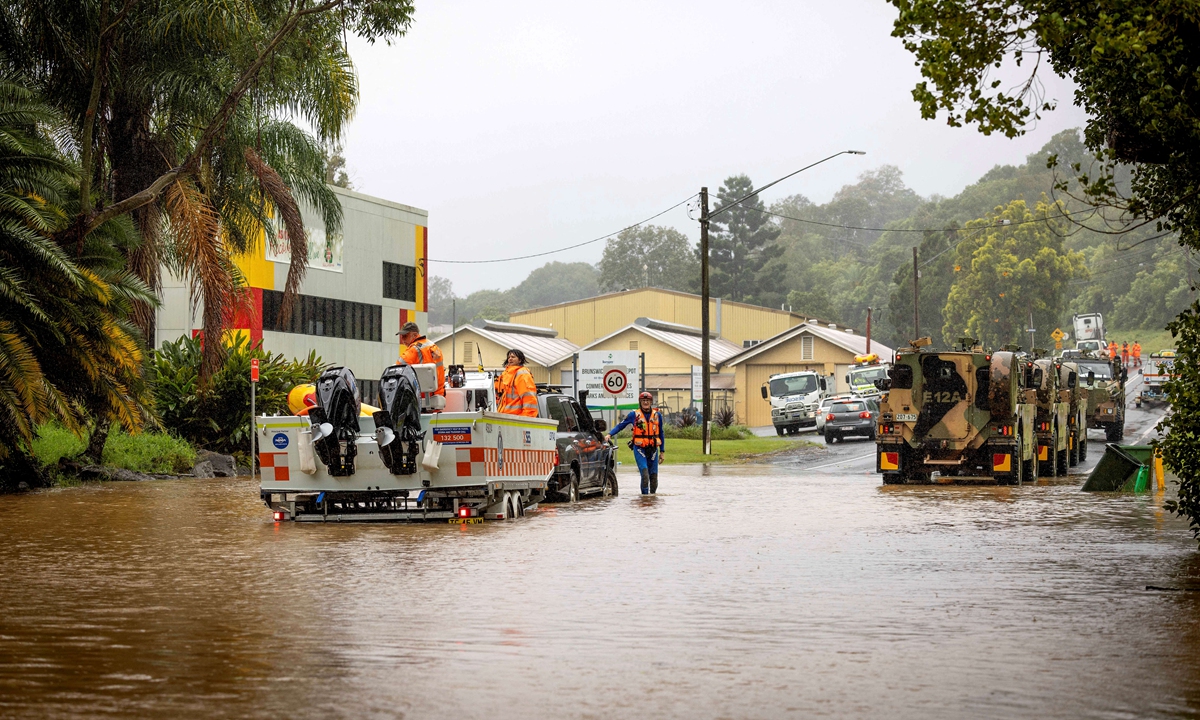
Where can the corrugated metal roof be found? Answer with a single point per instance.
(545, 351)
(719, 349)
(856, 344)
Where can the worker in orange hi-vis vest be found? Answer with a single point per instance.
(1112, 349)
(1125, 354)
(1137, 353)
(421, 350)
(516, 392)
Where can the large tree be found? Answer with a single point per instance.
(649, 256)
(741, 242)
(1009, 267)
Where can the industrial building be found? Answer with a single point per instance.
(360, 287)
(586, 321)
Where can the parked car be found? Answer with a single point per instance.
(851, 417)
(586, 464)
(823, 408)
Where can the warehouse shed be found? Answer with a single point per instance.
(810, 346)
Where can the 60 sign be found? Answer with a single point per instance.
(615, 381)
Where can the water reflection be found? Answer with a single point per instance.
(739, 592)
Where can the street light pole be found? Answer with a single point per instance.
(705, 218)
(706, 392)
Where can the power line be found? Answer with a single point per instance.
(569, 247)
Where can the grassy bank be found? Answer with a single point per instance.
(723, 451)
(147, 452)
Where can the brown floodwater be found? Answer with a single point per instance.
(754, 591)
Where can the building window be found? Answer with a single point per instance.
(633, 344)
(750, 343)
(324, 317)
(399, 282)
(806, 347)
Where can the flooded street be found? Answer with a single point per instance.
(751, 591)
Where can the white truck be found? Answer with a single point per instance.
(794, 398)
(863, 373)
(1089, 333)
(420, 457)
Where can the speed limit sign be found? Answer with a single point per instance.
(615, 381)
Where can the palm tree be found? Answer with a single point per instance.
(67, 350)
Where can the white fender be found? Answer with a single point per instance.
(304, 449)
(433, 453)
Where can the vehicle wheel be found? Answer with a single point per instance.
(828, 438)
(1073, 451)
(1060, 462)
(610, 484)
(1046, 470)
(1110, 433)
(1083, 447)
(779, 431)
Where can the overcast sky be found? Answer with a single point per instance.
(528, 126)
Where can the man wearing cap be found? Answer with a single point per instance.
(649, 442)
(418, 350)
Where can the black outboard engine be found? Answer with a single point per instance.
(398, 424)
(335, 420)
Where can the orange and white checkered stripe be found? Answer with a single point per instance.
(485, 462)
(274, 467)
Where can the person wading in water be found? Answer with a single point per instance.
(649, 443)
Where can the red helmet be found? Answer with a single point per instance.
(645, 396)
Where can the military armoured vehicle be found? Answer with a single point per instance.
(1076, 397)
(963, 414)
(1050, 421)
(1104, 380)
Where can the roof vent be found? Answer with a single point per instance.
(516, 328)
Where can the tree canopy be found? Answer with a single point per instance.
(741, 246)
(1010, 268)
(650, 256)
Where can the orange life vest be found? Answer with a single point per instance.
(423, 351)
(516, 392)
(1137, 350)
(645, 428)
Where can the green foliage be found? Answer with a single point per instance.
(1181, 446)
(695, 432)
(553, 283)
(650, 256)
(742, 247)
(149, 453)
(53, 442)
(1010, 266)
(215, 415)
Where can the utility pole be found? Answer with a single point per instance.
(868, 331)
(706, 402)
(453, 330)
(916, 299)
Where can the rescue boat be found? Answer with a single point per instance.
(418, 456)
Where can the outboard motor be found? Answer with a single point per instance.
(398, 424)
(335, 420)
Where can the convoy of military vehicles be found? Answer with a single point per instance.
(970, 415)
